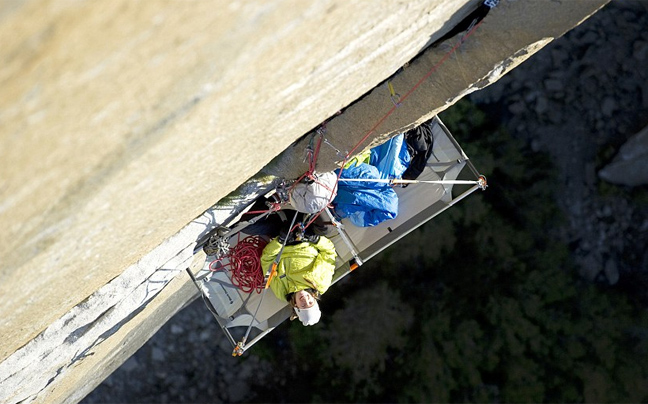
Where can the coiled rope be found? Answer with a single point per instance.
(244, 264)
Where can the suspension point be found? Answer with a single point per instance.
(482, 183)
(238, 350)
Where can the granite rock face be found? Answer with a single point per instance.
(605, 233)
(122, 123)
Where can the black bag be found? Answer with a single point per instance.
(420, 143)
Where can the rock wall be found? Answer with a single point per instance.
(629, 166)
(440, 76)
(123, 122)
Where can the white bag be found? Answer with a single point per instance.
(315, 196)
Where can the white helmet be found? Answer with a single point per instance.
(309, 316)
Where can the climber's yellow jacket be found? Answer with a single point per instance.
(301, 266)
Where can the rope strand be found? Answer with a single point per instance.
(401, 100)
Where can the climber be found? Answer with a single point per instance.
(304, 270)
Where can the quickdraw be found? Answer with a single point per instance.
(393, 95)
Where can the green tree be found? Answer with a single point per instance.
(360, 337)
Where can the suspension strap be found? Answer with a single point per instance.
(339, 227)
(337, 151)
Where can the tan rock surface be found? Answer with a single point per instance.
(122, 122)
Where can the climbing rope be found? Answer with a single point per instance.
(397, 100)
(244, 264)
(411, 90)
(272, 207)
(312, 153)
(246, 259)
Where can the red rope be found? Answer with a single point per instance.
(417, 85)
(312, 162)
(402, 99)
(244, 263)
(313, 159)
(273, 208)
